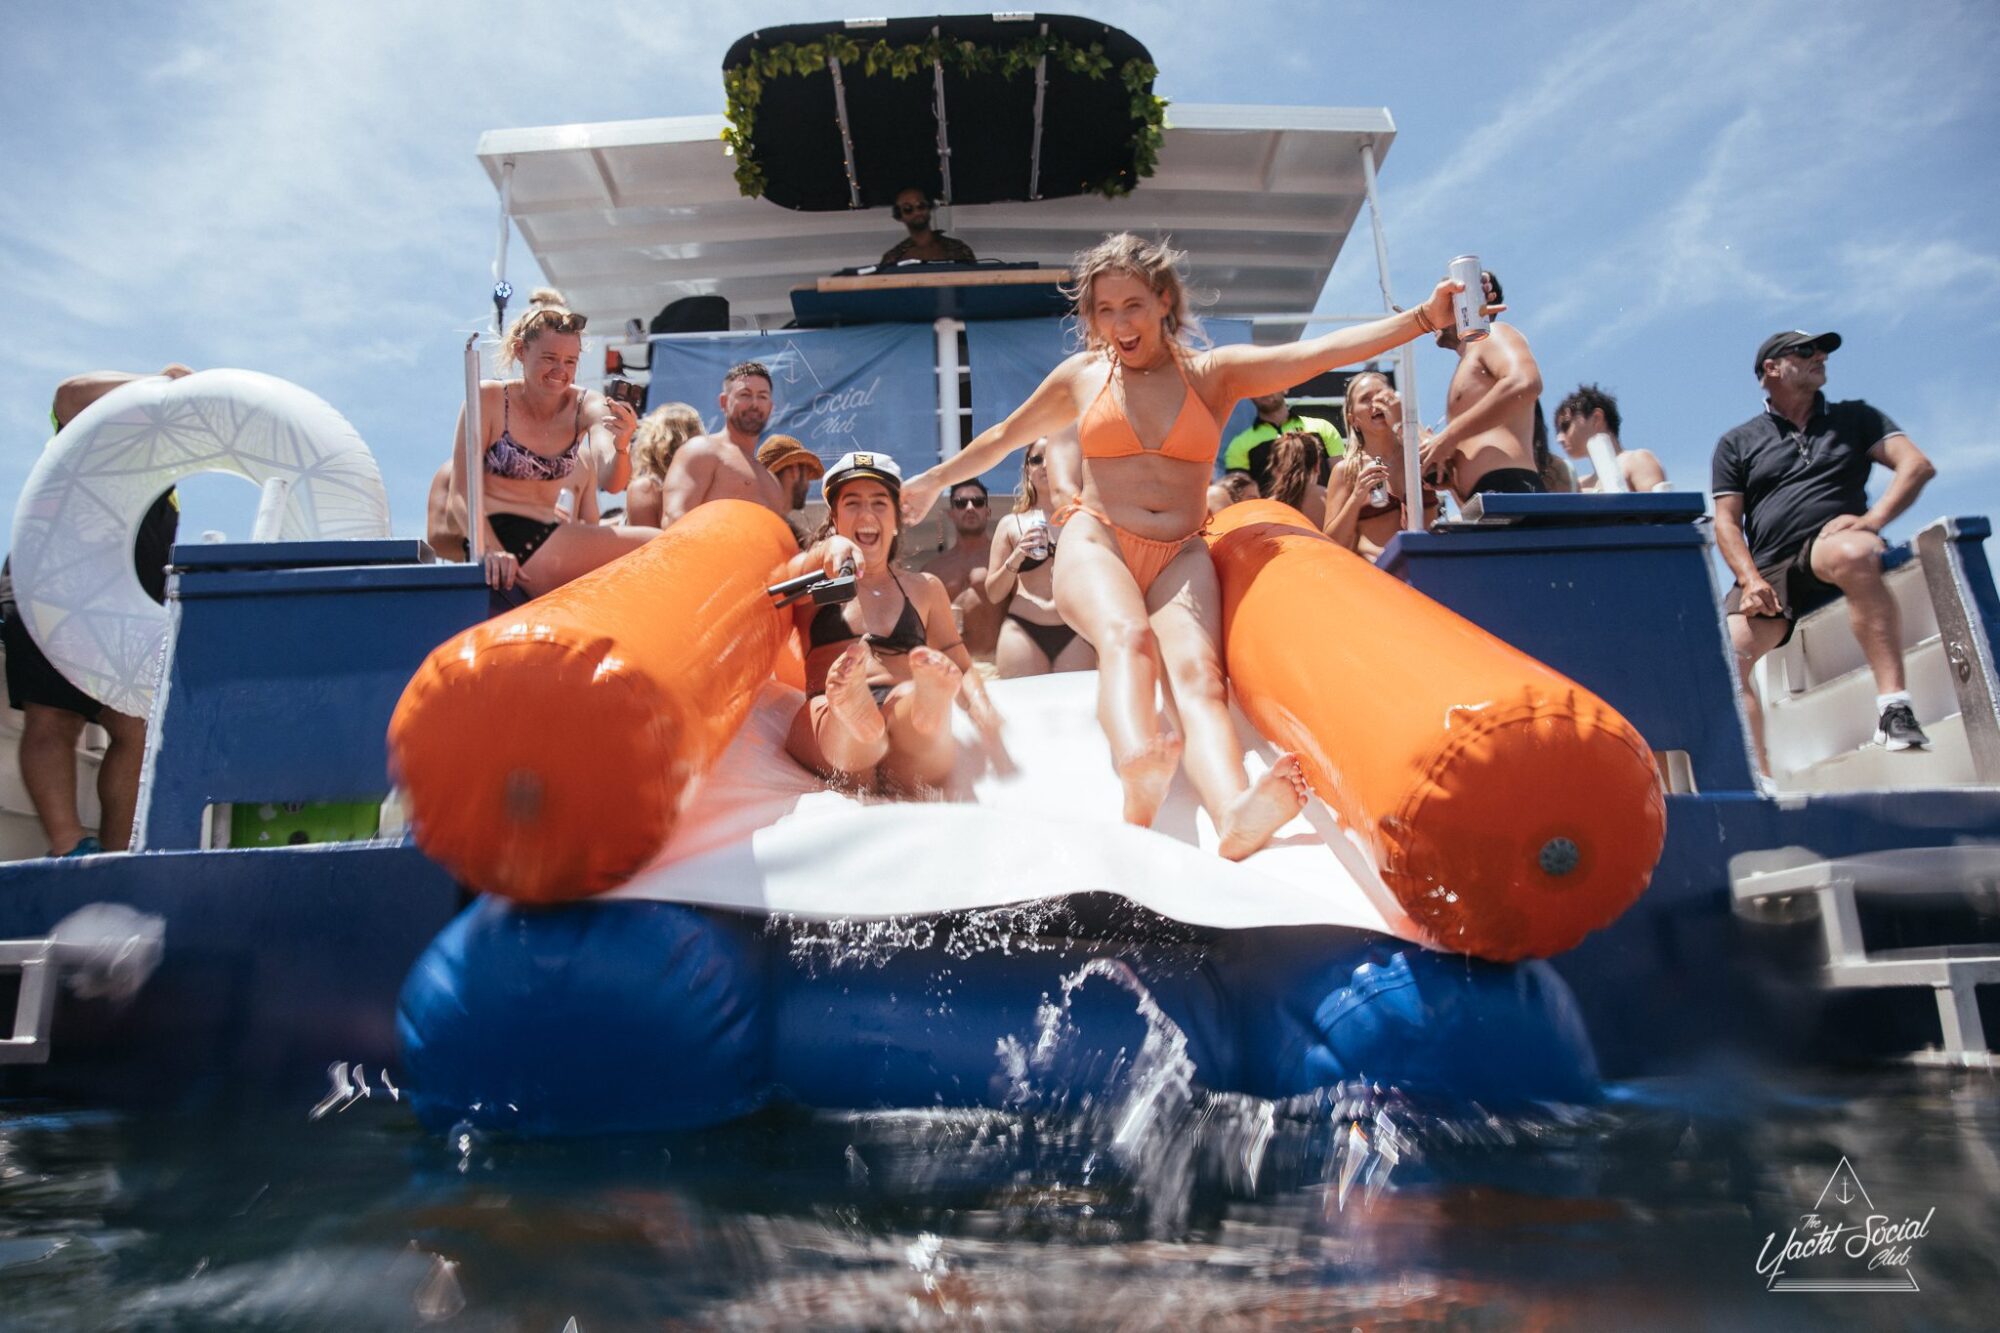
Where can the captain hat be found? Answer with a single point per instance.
(859, 464)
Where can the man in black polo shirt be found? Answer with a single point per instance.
(1792, 520)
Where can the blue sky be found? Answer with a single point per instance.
(293, 189)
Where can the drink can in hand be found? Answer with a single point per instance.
(1035, 533)
(1468, 305)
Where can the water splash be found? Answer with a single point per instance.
(1034, 927)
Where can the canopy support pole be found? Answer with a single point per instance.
(1041, 91)
(943, 129)
(475, 463)
(502, 289)
(1413, 480)
(947, 364)
(846, 134)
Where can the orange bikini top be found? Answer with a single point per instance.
(1106, 432)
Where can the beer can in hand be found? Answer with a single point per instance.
(1035, 534)
(1468, 305)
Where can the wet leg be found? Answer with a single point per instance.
(921, 748)
(1187, 617)
(1096, 593)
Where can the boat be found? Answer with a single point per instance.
(1804, 920)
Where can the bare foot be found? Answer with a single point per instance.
(848, 699)
(1254, 816)
(935, 678)
(1147, 775)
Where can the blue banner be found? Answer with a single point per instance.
(1010, 357)
(833, 389)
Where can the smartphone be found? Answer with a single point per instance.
(625, 391)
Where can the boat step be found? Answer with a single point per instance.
(1947, 763)
(1954, 972)
(34, 1004)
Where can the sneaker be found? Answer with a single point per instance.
(1898, 730)
(86, 846)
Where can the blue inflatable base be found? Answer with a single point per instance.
(633, 1016)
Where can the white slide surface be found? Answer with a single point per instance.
(1037, 821)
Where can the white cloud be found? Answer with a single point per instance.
(1896, 279)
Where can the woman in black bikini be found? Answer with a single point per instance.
(882, 670)
(546, 441)
(1374, 455)
(1034, 640)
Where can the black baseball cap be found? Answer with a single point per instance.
(1780, 343)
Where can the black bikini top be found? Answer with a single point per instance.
(829, 626)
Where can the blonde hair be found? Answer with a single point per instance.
(1353, 392)
(546, 313)
(1027, 498)
(1155, 263)
(659, 437)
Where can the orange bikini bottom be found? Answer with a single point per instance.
(1144, 556)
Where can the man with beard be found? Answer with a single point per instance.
(724, 466)
(961, 567)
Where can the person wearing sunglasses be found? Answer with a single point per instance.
(1793, 522)
(1021, 577)
(961, 567)
(922, 245)
(543, 451)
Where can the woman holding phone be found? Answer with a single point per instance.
(544, 440)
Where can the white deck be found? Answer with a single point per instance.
(626, 216)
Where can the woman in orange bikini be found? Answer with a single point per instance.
(1132, 574)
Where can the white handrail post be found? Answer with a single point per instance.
(1413, 481)
(502, 289)
(947, 364)
(475, 464)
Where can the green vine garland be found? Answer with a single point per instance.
(743, 86)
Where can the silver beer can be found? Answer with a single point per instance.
(1468, 305)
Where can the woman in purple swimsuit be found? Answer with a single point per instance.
(549, 446)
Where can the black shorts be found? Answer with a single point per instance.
(33, 679)
(1508, 481)
(1800, 591)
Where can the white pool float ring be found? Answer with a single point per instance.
(80, 511)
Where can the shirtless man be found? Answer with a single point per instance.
(725, 466)
(1488, 444)
(962, 569)
(1590, 412)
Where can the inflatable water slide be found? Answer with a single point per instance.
(674, 917)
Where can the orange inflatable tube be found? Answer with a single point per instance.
(1509, 809)
(546, 754)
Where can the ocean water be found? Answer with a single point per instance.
(1160, 1206)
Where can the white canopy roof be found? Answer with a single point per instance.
(626, 216)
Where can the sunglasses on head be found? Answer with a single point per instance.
(968, 502)
(906, 210)
(564, 321)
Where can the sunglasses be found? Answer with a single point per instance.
(969, 502)
(911, 210)
(1034, 460)
(563, 321)
(1806, 353)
